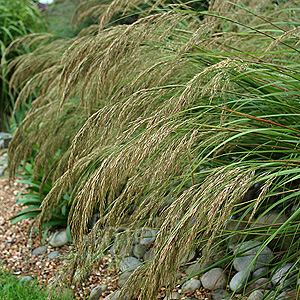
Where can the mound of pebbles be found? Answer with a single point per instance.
(251, 275)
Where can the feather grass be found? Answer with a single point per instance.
(170, 108)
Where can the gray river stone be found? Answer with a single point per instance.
(53, 254)
(114, 296)
(260, 272)
(173, 296)
(259, 284)
(4, 140)
(59, 239)
(246, 257)
(256, 295)
(149, 254)
(139, 250)
(214, 279)
(25, 278)
(192, 269)
(188, 257)
(222, 295)
(123, 278)
(196, 267)
(285, 275)
(191, 285)
(39, 250)
(129, 264)
(239, 280)
(148, 237)
(282, 295)
(97, 292)
(121, 246)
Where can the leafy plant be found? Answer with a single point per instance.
(31, 198)
(17, 18)
(14, 119)
(59, 15)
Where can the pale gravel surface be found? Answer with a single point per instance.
(16, 246)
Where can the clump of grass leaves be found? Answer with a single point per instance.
(17, 19)
(11, 288)
(197, 107)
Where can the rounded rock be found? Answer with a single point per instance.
(191, 285)
(139, 250)
(39, 250)
(114, 296)
(121, 247)
(214, 279)
(222, 295)
(59, 239)
(248, 251)
(129, 264)
(123, 278)
(53, 254)
(239, 280)
(195, 268)
(270, 219)
(188, 257)
(259, 284)
(260, 272)
(97, 292)
(26, 278)
(285, 275)
(148, 237)
(256, 295)
(149, 254)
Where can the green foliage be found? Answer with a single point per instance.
(17, 18)
(59, 15)
(14, 119)
(12, 289)
(31, 197)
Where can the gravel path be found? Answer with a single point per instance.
(16, 246)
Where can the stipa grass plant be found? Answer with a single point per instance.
(174, 108)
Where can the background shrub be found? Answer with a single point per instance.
(17, 18)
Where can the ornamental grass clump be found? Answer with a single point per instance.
(172, 107)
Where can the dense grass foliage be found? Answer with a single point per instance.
(17, 18)
(59, 16)
(11, 288)
(182, 105)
